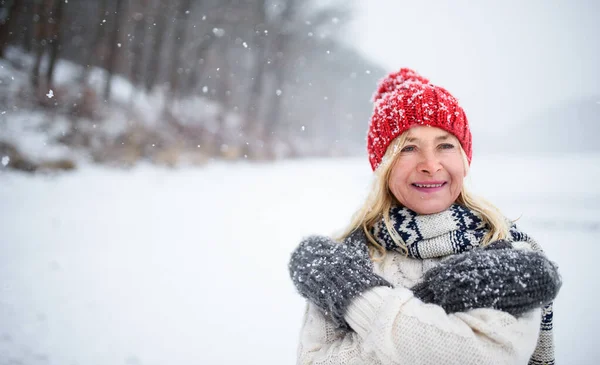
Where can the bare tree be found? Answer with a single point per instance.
(39, 38)
(114, 47)
(199, 62)
(181, 23)
(24, 9)
(160, 27)
(139, 18)
(279, 48)
(259, 46)
(7, 16)
(55, 24)
(99, 34)
(204, 39)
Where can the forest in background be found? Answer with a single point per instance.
(180, 80)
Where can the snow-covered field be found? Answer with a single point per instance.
(158, 266)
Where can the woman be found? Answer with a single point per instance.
(426, 273)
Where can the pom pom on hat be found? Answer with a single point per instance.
(396, 80)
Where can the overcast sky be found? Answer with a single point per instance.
(505, 60)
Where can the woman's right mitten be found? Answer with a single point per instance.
(331, 274)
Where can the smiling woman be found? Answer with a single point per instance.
(425, 273)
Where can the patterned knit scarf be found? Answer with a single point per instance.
(453, 231)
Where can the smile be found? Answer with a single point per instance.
(429, 185)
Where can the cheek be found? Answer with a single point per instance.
(458, 181)
(397, 180)
(457, 171)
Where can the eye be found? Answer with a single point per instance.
(446, 146)
(408, 149)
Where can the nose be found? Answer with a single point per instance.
(429, 164)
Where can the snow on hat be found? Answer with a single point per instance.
(405, 99)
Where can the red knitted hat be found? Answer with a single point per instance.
(405, 99)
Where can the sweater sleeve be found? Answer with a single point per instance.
(322, 343)
(391, 326)
(401, 329)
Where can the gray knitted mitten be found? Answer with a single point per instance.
(498, 277)
(331, 274)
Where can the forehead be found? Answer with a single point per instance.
(427, 132)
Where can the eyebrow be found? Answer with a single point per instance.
(438, 138)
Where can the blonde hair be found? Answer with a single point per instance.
(380, 200)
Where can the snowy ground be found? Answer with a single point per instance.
(157, 266)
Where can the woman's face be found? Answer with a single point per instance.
(427, 175)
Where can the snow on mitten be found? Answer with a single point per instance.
(498, 277)
(331, 274)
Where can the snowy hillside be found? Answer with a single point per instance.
(158, 266)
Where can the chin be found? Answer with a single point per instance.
(431, 208)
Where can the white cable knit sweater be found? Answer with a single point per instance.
(391, 326)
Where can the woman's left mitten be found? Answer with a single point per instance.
(510, 280)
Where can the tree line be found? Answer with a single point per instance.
(275, 68)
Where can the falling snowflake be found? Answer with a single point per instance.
(50, 94)
(245, 45)
(5, 160)
(278, 92)
(219, 32)
(205, 89)
(303, 128)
